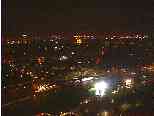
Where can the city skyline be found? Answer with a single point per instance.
(77, 58)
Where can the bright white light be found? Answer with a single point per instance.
(79, 62)
(100, 88)
(133, 73)
(128, 81)
(55, 47)
(87, 79)
(35, 77)
(75, 36)
(24, 35)
(63, 58)
(73, 53)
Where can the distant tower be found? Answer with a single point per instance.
(101, 54)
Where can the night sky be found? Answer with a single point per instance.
(77, 15)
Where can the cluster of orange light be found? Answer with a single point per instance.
(44, 87)
(68, 114)
(43, 114)
(128, 83)
(78, 40)
(20, 41)
(150, 67)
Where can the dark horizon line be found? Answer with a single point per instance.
(73, 33)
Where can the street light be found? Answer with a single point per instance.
(100, 88)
